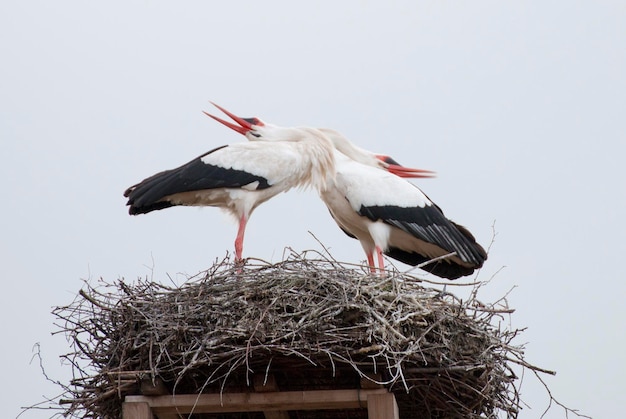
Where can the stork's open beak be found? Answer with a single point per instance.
(245, 124)
(404, 172)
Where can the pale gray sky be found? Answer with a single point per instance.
(519, 106)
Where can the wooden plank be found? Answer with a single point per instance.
(136, 410)
(264, 384)
(258, 402)
(382, 406)
(156, 387)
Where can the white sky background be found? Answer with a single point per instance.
(519, 107)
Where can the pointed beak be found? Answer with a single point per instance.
(245, 124)
(404, 172)
(408, 172)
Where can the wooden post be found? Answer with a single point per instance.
(382, 406)
(136, 410)
(156, 387)
(264, 385)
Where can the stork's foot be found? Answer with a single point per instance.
(239, 264)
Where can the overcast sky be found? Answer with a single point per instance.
(519, 106)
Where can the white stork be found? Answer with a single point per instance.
(241, 176)
(390, 215)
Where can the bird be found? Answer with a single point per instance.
(239, 177)
(370, 201)
(390, 215)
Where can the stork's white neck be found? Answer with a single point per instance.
(358, 154)
(319, 152)
(315, 152)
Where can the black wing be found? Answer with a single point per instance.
(431, 226)
(440, 268)
(148, 195)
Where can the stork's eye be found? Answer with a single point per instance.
(254, 121)
(255, 134)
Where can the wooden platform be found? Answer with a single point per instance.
(380, 404)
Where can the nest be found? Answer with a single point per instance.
(307, 323)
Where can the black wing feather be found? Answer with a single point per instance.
(430, 225)
(196, 175)
(441, 268)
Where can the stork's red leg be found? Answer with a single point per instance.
(370, 262)
(239, 239)
(381, 262)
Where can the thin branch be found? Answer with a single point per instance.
(308, 316)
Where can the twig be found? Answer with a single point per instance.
(308, 317)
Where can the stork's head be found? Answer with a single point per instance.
(316, 147)
(256, 130)
(368, 158)
(251, 128)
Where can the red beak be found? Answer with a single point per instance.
(245, 124)
(405, 172)
(408, 172)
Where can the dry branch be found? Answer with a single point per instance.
(310, 323)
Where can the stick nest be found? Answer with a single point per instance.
(307, 323)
